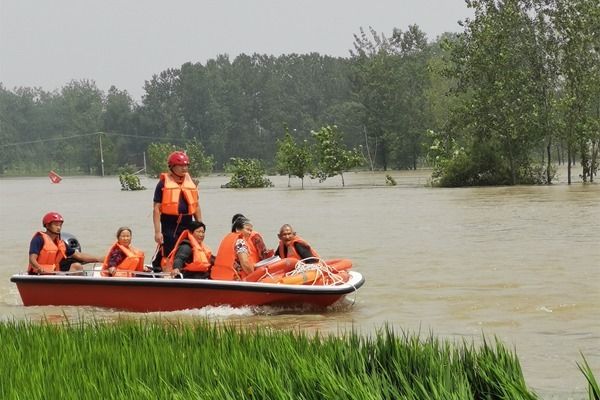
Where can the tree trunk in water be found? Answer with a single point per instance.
(384, 154)
(569, 164)
(594, 161)
(367, 146)
(512, 165)
(549, 164)
(585, 162)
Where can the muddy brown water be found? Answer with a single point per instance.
(519, 263)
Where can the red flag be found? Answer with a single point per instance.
(54, 177)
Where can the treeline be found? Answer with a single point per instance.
(500, 103)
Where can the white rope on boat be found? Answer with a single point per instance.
(323, 271)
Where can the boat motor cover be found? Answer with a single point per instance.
(70, 241)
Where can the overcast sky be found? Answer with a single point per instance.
(48, 43)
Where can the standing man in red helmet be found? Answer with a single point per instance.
(175, 205)
(49, 254)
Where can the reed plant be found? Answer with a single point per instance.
(593, 387)
(154, 359)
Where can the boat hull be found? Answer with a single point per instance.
(159, 294)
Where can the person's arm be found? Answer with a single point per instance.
(261, 247)
(158, 236)
(184, 252)
(85, 257)
(114, 258)
(198, 214)
(304, 252)
(157, 199)
(37, 268)
(245, 263)
(241, 250)
(35, 247)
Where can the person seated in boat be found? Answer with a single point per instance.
(236, 257)
(191, 257)
(49, 254)
(122, 258)
(293, 246)
(256, 240)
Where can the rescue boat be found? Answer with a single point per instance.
(148, 294)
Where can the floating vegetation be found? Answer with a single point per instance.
(389, 180)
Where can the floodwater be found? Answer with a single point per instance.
(518, 263)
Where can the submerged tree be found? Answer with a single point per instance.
(331, 156)
(496, 64)
(246, 173)
(293, 159)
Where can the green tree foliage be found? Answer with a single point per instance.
(200, 163)
(293, 159)
(158, 154)
(498, 121)
(331, 156)
(130, 181)
(577, 27)
(246, 173)
(391, 81)
(506, 98)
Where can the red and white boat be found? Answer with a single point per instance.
(147, 294)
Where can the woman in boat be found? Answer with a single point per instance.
(175, 205)
(236, 257)
(122, 258)
(292, 245)
(49, 254)
(191, 257)
(256, 241)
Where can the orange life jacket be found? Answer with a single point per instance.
(256, 247)
(201, 254)
(223, 268)
(291, 249)
(172, 192)
(133, 261)
(51, 254)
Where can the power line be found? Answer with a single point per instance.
(91, 134)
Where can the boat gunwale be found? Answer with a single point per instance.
(355, 282)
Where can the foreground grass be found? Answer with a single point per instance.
(156, 360)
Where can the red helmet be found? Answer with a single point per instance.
(178, 158)
(52, 217)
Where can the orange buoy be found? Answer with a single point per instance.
(339, 264)
(283, 265)
(301, 278)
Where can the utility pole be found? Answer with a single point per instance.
(101, 155)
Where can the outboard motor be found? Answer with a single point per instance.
(70, 241)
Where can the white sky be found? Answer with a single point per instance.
(47, 43)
